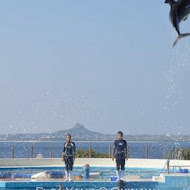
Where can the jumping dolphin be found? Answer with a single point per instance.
(179, 12)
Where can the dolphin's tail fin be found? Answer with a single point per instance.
(179, 37)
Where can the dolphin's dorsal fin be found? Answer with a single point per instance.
(171, 2)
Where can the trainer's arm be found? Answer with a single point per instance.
(74, 152)
(63, 153)
(126, 151)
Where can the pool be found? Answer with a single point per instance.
(137, 179)
(105, 172)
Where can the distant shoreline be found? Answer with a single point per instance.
(82, 134)
(36, 141)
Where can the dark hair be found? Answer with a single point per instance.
(68, 135)
(120, 132)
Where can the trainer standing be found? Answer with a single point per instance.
(68, 156)
(120, 154)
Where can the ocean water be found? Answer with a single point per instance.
(137, 149)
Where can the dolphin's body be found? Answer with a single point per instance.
(179, 12)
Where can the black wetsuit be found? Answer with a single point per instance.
(120, 153)
(69, 151)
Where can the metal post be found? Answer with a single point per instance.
(90, 152)
(168, 166)
(109, 152)
(12, 152)
(146, 152)
(51, 152)
(128, 152)
(32, 152)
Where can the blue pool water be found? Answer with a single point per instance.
(170, 184)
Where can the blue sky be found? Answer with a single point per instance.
(108, 65)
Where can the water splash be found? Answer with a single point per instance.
(180, 62)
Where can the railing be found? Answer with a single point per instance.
(90, 152)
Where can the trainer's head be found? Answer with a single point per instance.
(68, 137)
(119, 135)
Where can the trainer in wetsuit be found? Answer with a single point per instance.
(120, 154)
(68, 156)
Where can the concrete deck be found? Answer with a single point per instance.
(98, 162)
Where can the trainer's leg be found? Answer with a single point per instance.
(70, 168)
(122, 169)
(118, 166)
(66, 175)
(66, 170)
(70, 175)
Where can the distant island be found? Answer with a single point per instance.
(81, 133)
